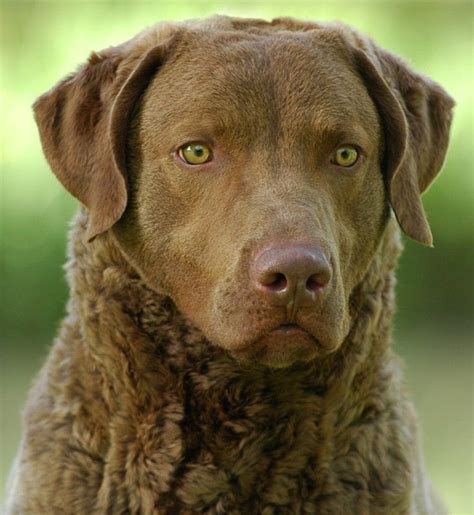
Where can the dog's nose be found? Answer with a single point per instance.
(291, 273)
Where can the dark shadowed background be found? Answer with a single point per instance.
(43, 41)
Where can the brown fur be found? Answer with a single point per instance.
(165, 391)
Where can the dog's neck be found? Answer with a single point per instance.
(138, 344)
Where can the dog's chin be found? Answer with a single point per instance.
(280, 348)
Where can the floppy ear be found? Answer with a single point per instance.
(83, 125)
(416, 115)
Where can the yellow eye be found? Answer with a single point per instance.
(195, 153)
(346, 156)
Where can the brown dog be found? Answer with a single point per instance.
(227, 347)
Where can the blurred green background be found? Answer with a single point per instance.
(43, 41)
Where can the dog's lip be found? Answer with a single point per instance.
(288, 329)
(293, 330)
(285, 330)
(280, 345)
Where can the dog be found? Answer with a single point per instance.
(227, 347)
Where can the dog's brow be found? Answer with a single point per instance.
(348, 132)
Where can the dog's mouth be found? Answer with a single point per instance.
(281, 346)
(289, 329)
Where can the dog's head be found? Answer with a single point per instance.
(248, 170)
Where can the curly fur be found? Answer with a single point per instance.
(145, 416)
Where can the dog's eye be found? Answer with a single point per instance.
(195, 153)
(345, 156)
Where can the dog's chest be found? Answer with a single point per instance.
(236, 459)
(241, 448)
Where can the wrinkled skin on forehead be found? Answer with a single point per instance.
(273, 110)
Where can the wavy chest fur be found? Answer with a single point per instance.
(156, 420)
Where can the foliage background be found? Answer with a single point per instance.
(43, 41)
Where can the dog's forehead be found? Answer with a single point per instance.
(240, 75)
(251, 58)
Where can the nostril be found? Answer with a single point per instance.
(315, 283)
(275, 282)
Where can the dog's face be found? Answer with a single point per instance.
(275, 117)
(260, 170)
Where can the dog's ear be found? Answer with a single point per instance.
(416, 115)
(83, 125)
